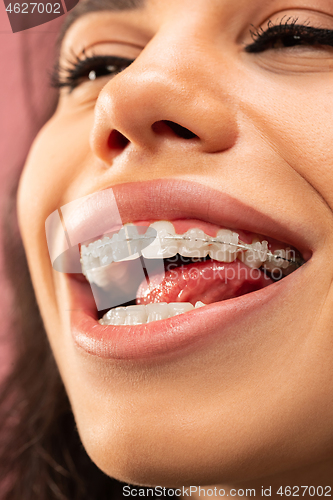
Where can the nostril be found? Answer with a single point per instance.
(117, 140)
(178, 130)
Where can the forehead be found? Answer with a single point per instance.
(86, 6)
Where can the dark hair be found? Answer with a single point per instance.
(41, 455)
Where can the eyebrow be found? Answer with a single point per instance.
(86, 6)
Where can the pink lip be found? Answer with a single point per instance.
(170, 199)
(173, 199)
(171, 336)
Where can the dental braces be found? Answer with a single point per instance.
(298, 262)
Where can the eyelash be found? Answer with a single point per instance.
(285, 34)
(87, 67)
(288, 34)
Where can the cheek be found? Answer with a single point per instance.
(295, 120)
(47, 178)
(58, 154)
(309, 146)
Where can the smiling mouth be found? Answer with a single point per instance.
(210, 252)
(153, 272)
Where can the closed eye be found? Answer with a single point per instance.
(86, 69)
(288, 34)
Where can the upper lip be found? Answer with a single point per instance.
(171, 199)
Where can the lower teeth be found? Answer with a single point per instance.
(142, 314)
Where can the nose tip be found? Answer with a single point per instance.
(160, 109)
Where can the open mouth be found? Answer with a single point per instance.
(148, 272)
(196, 266)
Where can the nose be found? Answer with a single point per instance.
(164, 99)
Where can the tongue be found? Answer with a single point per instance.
(209, 281)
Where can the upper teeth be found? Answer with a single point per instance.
(128, 244)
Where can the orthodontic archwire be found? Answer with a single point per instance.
(178, 237)
(241, 246)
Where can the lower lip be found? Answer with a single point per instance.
(171, 336)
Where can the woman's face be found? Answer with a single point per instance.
(209, 127)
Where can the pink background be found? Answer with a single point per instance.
(26, 58)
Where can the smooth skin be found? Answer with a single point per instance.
(249, 410)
